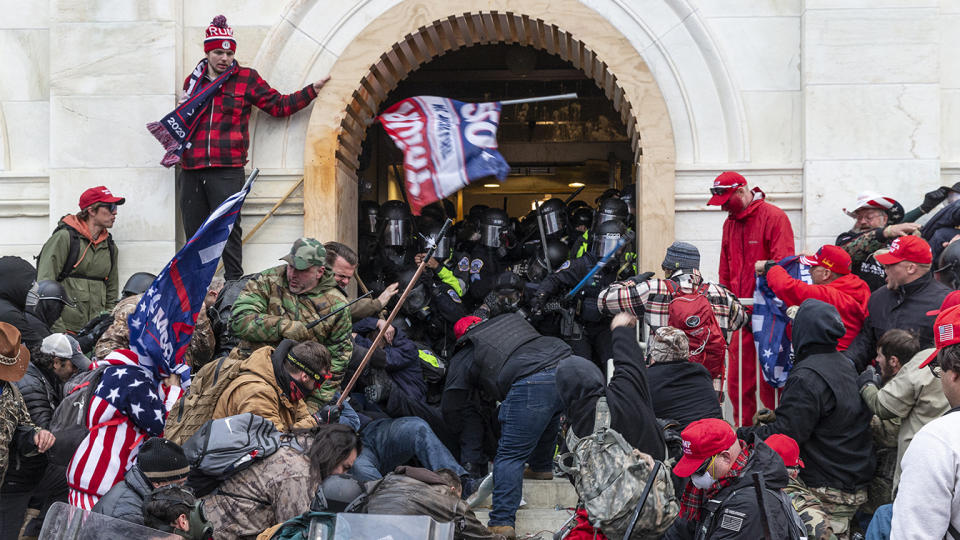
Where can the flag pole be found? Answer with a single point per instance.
(572, 95)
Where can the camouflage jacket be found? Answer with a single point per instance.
(268, 492)
(13, 418)
(266, 302)
(202, 343)
(810, 510)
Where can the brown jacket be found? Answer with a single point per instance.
(255, 390)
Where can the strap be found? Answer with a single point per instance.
(601, 419)
(954, 533)
(72, 253)
(670, 285)
(114, 422)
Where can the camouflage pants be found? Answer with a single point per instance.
(841, 506)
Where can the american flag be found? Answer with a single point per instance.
(945, 332)
(769, 323)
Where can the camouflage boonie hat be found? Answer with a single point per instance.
(669, 345)
(306, 252)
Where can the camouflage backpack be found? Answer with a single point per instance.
(194, 409)
(611, 477)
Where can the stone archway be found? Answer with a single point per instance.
(385, 52)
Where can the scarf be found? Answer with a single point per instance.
(693, 498)
(175, 129)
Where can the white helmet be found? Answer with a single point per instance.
(870, 199)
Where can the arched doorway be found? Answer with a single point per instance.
(335, 135)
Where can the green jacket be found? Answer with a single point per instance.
(92, 296)
(266, 302)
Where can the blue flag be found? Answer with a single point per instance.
(769, 323)
(162, 325)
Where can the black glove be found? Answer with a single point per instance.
(932, 198)
(536, 304)
(329, 414)
(869, 376)
(642, 277)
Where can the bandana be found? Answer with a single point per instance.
(693, 498)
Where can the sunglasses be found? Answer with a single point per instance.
(112, 207)
(720, 190)
(706, 465)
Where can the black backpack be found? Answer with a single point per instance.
(73, 254)
(69, 420)
(221, 311)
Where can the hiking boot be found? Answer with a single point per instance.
(378, 391)
(534, 475)
(506, 531)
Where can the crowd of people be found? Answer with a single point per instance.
(523, 340)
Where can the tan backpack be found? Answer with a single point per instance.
(196, 408)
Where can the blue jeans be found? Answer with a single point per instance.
(391, 442)
(881, 523)
(529, 419)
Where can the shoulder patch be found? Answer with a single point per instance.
(476, 265)
(454, 296)
(731, 522)
(564, 266)
(464, 264)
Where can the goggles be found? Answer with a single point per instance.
(720, 190)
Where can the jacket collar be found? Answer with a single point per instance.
(916, 285)
(758, 197)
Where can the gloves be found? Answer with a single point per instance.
(329, 414)
(932, 198)
(536, 304)
(642, 277)
(764, 416)
(295, 330)
(869, 376)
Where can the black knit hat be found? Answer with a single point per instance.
(162, 460)
(681, 256)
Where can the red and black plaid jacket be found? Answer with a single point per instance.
(222, 138)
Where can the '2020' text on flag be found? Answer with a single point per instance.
(162, 324)
(446, 145)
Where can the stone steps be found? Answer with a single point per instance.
(540, 513)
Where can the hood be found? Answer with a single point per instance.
(18, 276)
(816, 327)
(579, 383)
(138, 482)
(854, 287)
(81, 226)
(763, 459)
(260, 363)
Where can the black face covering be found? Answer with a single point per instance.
(292, 388)
(48, 311)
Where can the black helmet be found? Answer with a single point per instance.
(492, 225)
(607, 194)
(557, 252)
(627, 195)
(476, 212)
(605, 236)
(369, 210)
(509, 288)
(582, 216)
(394, 224)
(444, 244)
(48, 289)
(419, 296)
(554, 217)
(137, 284)
(336, 494)
(611, 208)
(949, 266)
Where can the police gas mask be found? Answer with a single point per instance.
(182, 501)
(394, 255)
(416, 302)
(200, 527)
(337, 493)
(535, 271)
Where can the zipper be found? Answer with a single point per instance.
(209, 132)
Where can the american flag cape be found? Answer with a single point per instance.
(769, 323)
(162, 324)
(446, 144)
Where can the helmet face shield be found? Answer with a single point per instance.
(444, 247)
(602, 244)
(552, 223)
(394, 233)
(490, 235)
(371, 224)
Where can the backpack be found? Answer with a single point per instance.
(73, 254)
(797, 530)
(692, 314)
(225, 446)
(91, 332)
(69, 420)
(193, 410)
(221, 311)
(611, 478)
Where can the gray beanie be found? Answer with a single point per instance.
(681, 256)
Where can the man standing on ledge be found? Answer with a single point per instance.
(216, 152)
(755, 230)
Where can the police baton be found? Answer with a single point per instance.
(573, 195)
(543, 238)
(600, 264)
(338, 310)
(431, 248)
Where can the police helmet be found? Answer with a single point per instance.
(336, 493)
(48, 289)
(394, 224)
(610, 209)
(137, 284)
(444, 243)
(628, 195)
(369, 210)
(419, 295)
(476, 212)
(492, 225)
(607, 194)
(554, 216)
(949, 266)
(605, 236)
(582, 217)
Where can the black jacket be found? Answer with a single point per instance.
(580, 383)
(683, 391)
(37, 326)
(562, 281)
(905, 308)
(821, 406)
(125, 500)
(42, 392)
(18, 276)
(738, 513)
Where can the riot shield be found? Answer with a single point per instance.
(381, 527)
(65, 522)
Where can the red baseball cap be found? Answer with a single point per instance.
(724, 186)
(460, 327)
(99, 194)
(831, 257)
(906, 248)
(702, 440)
(952, 299)
(788, 449)
(946, 331)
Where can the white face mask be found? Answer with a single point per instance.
(702, 481)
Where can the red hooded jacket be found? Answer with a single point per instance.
(848, 293)
(760, 232)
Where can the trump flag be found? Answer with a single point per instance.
(446, 145)
(162, 324)
(769, 324)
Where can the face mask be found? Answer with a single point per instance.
(702, 481)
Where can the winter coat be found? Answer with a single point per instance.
(821, 407)
(256, 390)
(93, 283)
(682, 391)
(37, 326)
(848, 293)
(127, 406)
(18, 277)
(125, 500)
(17, 430)
(904, 308)
(760, 232)
(42, 391)
(403, 359)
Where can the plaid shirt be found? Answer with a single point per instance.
(222, 138)
(654, 297)
(693, 498)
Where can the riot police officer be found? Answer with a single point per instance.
(628, 195)
(443, 260)
(535, 268)
(430, 311)
(395, 249)
(490, 257)
(367, 233)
